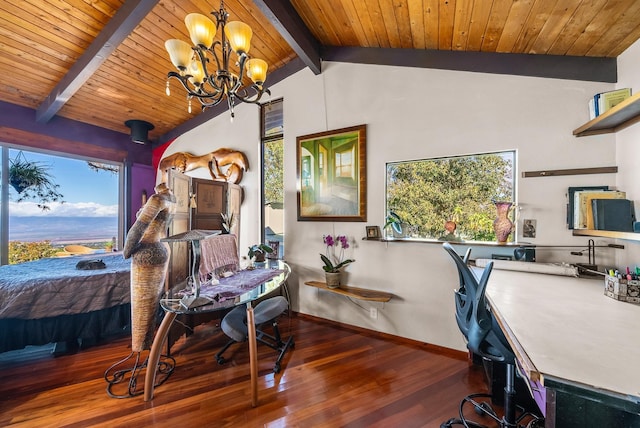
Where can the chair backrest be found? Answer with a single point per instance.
(219, 255)
(475, 320)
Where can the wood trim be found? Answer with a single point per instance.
(550, 66)
(54, 144)
(521, 355)
(631, 236)
(572, 171)
(449, 352)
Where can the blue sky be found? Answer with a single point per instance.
(87, 193)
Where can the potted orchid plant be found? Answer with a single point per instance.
(334, 260)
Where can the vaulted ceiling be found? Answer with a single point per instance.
(103, 62)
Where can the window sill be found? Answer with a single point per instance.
(436, 241)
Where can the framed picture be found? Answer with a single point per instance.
(373, 232)
(275, 246)
(331, 169)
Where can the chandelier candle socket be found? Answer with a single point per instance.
(207, 86)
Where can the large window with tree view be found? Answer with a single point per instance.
(449, 198)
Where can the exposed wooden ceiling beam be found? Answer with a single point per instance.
(115, 32)
(286, 20)
(550, 66)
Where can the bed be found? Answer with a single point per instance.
(50, 301)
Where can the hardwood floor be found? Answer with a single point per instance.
(335, 377)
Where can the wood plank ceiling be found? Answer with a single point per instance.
(116, 80)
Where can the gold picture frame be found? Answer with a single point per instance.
(331, 173)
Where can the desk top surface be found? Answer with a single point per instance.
(569, 330)
(241, 288)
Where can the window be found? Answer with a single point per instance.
(53, 201)
(450, 198)
(272, 139)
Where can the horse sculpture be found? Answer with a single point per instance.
(233, 162)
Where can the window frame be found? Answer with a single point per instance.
(514, 198)
(265, 139)
(4, 190)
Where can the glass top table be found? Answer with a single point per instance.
(242, 288)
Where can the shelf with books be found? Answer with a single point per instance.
(619, 117)
(629, 236)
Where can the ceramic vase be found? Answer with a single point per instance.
(502, 225)
(332, 279)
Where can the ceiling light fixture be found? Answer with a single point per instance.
(139, 130)
(211, 87)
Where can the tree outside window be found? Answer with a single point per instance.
(431, 193)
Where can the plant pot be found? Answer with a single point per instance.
(332, 279)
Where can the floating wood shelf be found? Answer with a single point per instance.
(573, 171)
(619, 117)
(630, 236)
(357, 293)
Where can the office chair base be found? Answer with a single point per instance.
(483, 408)
(274, 342)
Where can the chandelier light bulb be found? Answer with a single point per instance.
(239, 36)
(197, 72)
(180, 53)
(201, 29)
(257, 70)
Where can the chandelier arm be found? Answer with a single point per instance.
(238, 80)
(212, 49)
(184, 81)
(244, 96)
(210, 102)
(201, 94)
(203, 59)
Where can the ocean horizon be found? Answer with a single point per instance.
(62, 229)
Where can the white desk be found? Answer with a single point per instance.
(570, 337)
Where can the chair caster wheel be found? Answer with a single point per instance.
(221, 360)
(276, 368)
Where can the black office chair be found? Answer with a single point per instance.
(234, 325)
(485, 339)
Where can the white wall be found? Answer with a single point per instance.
(628, 148)
(413, 114)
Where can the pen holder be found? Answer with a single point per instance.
(622, 289)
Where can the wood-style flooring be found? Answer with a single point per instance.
(336, 376)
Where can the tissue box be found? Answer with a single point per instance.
(622, 289)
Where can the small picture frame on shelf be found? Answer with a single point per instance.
(373, 232)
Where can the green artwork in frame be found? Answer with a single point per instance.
(331, 169)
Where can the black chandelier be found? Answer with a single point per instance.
(211, 87)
